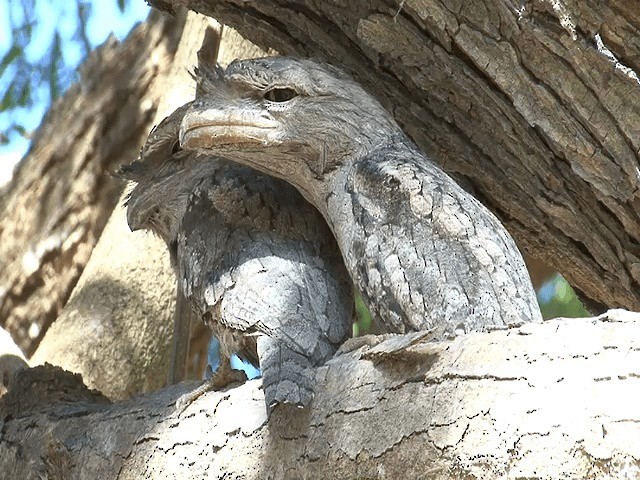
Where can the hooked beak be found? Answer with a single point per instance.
(207, 128)
(138, 214)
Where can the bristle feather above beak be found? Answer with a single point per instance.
(134, 171)
(208, 77)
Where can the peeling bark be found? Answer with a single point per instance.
(543, 123)
(554, 400)
(523, 101)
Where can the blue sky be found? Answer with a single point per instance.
(51, 15)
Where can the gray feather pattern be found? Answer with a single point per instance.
(255, 261)
(424, 253)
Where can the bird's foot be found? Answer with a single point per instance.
(356, 343)
(396, 346)
(385, 345)
(222, 378)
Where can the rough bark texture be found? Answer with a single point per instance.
(534, 104)
(116, 328)
(61, 196)
(528, 109)
(554, 400)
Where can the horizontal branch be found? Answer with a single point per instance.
(552, 400)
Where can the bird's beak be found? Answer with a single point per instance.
(206, 128)
(134, 221)
(137, 214)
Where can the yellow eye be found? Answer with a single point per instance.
(280, 95)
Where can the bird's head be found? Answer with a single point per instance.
(292, 118)
(164, 177)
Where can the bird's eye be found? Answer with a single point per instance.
(280, 95)
(175, 148)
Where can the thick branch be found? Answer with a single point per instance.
(522, 102)
(116, 328)
(554, 400)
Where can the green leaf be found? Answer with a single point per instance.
(28, 14)
(21, 130)
(14, 52)
(84, 10)
(363, 317)
(564, 303)
(56, 57)
(122, 5)
(8, 99)
(24, 99)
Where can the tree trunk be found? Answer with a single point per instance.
(117, 327)
(519, 102)
(62, 194)
(554, 400)
(531, 103)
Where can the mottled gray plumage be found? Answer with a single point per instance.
(253, 258)
(424, 253)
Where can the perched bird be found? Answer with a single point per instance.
(424, 253)
(254, 260)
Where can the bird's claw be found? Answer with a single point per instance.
(219, 380)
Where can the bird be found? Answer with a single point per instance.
(424, 253)
(255, 261)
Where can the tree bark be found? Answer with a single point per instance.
(554, 400)
(520, 103)
(534, 105)
(61, 196)
(117, 327)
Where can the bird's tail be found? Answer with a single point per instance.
(287, 376)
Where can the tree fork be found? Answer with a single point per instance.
(61, 197)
